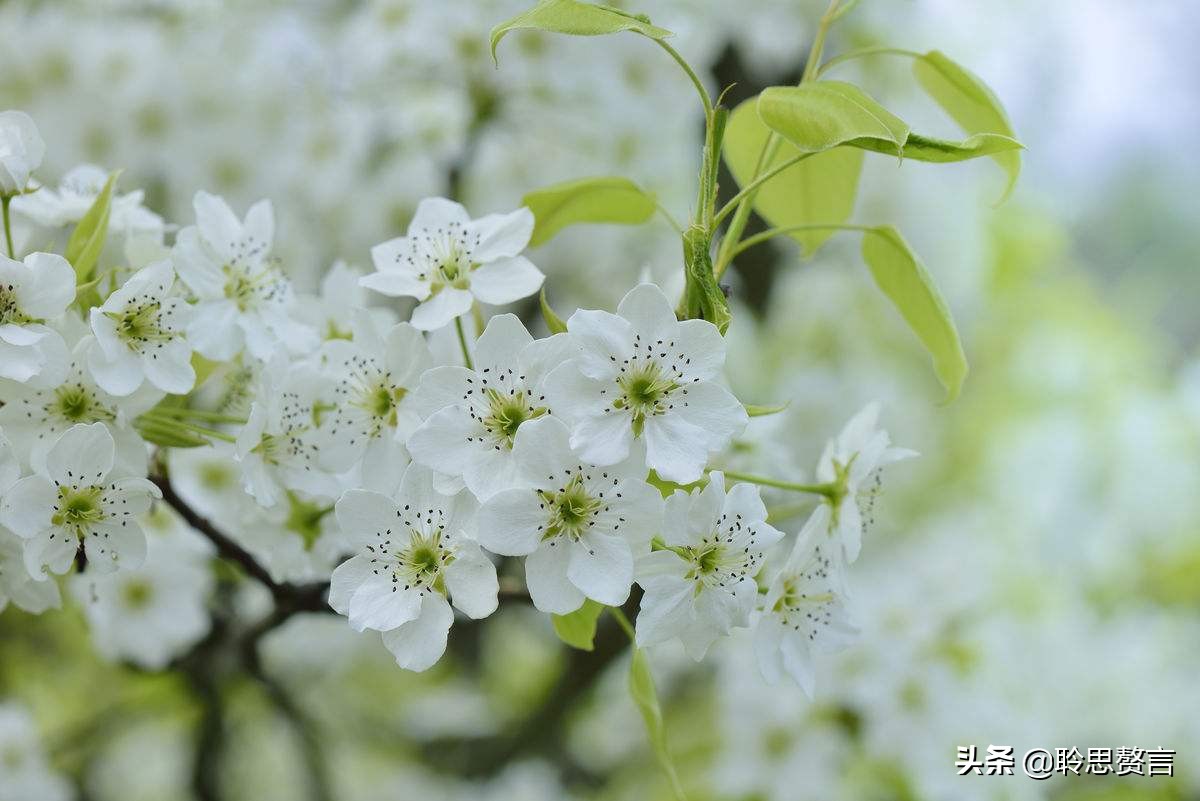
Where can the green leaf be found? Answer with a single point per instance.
(970, 103)
(87, 240)
(577, 19)
(820, 189)
(203, 367)
(553, 321)
(578, 629)
(166, 435)
(926, 148)
(911, 289)
(821, 115)
(588, 200)
(641, 687)
(763, 411)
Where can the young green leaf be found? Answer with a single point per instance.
(553, 322)
(820, 115)
(577, 19)
(587, 200)
(703, 298)
(87, 240)
(911, 289)
(970, 103)
(578, 629)
(927, 148)
(641, 687)
(820, 189)
(762, 411)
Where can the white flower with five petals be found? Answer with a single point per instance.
(32, 292)
(411, 553)
(850, 465)
(77, 502)
(243, 297)
(447, 261)
(16, 584)
(641, 374)
(474, 415)
(579, 526)
(139, 334)
(804, 611)
(700, 584)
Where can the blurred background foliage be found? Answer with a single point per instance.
(1030, 581)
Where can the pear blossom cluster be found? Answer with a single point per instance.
(187, 384)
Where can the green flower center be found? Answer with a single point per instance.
(645, 391)
(571, 509)
(10, 310)
(136, 594)
(140, 324)
(506, 413)
(77, 404)
(77, 508)
(454, 266)
(304, 518)
(246, 289)
(424, 560)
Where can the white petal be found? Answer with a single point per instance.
(218, 225)
(511, 522)
(259, 230)
(26, 508)
(768, 639)
(441, 441)
(603, 440)
(745, 500)
(798, 661)
(170, 367)
(472, 583)
(437, 212)
(605, 340)
(489, 471)
(54, 549)
(506, 280)
(83, 454)
(500, 342)
(502, 235)
(676, 449)
(50, 288)
(665, 609)
(113, 547)
(602, 567)
(441, 309)
(196, 267)
(546, 578)
(648, 310)
(542, 450)
(704, 345)
(363, 516)
(441, 387)
(345, 581)
(214, 332)
(380, 604)
(419, 644)
(574, 396)
(120, 375)
(714, 410)
(396, 284)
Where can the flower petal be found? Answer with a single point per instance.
(546, 578)
(502, 235)
(472, 583)
(420, 643)
(511, 522)
(506, 280)
(602, 567)
(441, 309)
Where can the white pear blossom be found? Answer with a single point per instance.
(21, 151)
(75, 503)
(32, 292)
(411, 553)
(34, 418)
(701, 583)
(341, 301)
(150, 614)
(243, 297)
(16, 584)
(76, 192)
(579, 526)
(474, 415)
(447, 261)
(139, 334)
(25, 773)
(804, 611)
(279, 447)
(850, 465)
(374, 380)
(641, 374)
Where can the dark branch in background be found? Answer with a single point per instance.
(544, 731)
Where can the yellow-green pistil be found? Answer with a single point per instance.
(571, 509)
(10, 310)
(78, 508)
(645, 391)
(506, 413)
(139, 324)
